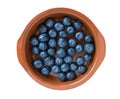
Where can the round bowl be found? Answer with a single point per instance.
(25, 56)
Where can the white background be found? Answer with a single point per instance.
(15, 83)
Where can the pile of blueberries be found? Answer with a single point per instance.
(56, 45)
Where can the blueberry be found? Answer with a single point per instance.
(35, 50)
(49, 61)
(43, 37)
(88, 38)
(89, 48)
(65, 67)
(42, 29)
(43, 54)
(34, 41)
(37, 64)
(62, 76)
(87, 57)
(49, 22)
(79, 48)
(62, 34)
(59, 26)
(58, 61)
(45, 70)
(55, 69)
(52, 43)
(43, 46)
(61, 53)
(71, 51)
(70, 30)
(77, 25)
(73, 66)
(67, 21)
(51, 51)
(68, 59)
(62, 42)
(72, 42)
(79, 60)
(52, 33)
(79, 35)
(71, 75)
(82, 69)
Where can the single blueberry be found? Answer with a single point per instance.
(73, 66)
(58, 61)
(68, 59)
(49, 22)
(49, 61)
(67, 21)
(79, 60)
(61, 53)
(43, 37)
(35, 50)
(43, 54)
(42, 29)
(43, 46)
(89, 48)
(79, 48)
(51, 51)
(62, 76)
(45, 70)
(79, 35)
(88, 38)
(34, 41)
(62, 34)
(59, 26)
(65, 67)
(82, 69)
(77, 25)
(52, 33)
(72, 42)
(52, 43)
(71, 51)
(71, 75)
(62, 42)
(37, 64)
(87, 57)
(70, 30)
(55, 69)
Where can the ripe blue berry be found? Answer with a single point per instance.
(79, 60)
(73, 66)
(43, 54)
(79, 36)
(34, 41)
(43, 37)
(55, 69)
(71, 75)
(42, 29)
(35, 50)
(49, 61)
(59, 26)
(52, 33)
(43, 46)
(49, 23)
(37, 64)
(62, 42)
(88, 38)
(62, 34)
(72, 42)
(67, 21)
(77, 25)
(71, 51)
(68, 59)
(58, 61)
(70, 30)
(61, 53)
(89, 48)
(65, 67)
(82, 69)
(52, 43)
(79, 48)
(51, 51)
(45, 70)
(62, 76)
(87, 57)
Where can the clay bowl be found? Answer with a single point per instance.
(25, 56)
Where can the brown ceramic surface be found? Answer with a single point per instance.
(25, 55)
